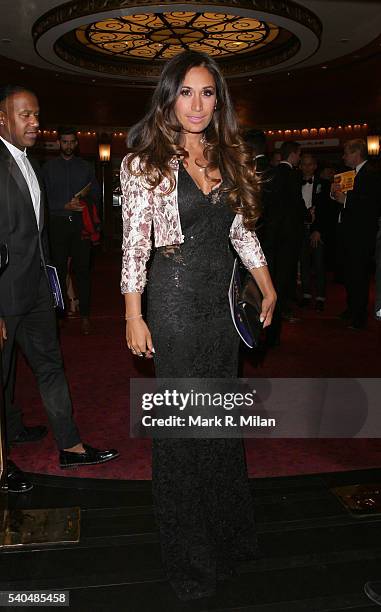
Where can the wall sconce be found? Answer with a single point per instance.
(373, 142)
(104, 150)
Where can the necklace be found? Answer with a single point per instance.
(214, 195)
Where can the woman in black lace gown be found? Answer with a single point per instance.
(196, 194)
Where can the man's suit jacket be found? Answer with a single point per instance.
(27, 247)
(362, 208)
(284, 211)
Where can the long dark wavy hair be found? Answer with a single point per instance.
(156, 139)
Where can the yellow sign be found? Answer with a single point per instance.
(345, 180)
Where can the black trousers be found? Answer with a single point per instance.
(282, 254)
(312, 260)
(35, 334)
(356, 270)
(66, 241)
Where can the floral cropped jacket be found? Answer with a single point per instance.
(142, 206)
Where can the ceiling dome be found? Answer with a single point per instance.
(129, 40)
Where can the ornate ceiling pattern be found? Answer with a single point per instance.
(126, 39)
(161, 36)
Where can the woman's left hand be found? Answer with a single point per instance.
(262, 277)
(268, 305)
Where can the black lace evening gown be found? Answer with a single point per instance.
(201, 491)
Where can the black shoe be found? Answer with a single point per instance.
(319, 305)
(17, 481)
(373, 591)
(30, 434)
(91, 456)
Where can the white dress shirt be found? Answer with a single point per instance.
(28, 173)
(307, 190)
(358, 168)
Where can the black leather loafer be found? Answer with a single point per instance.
(17, 481)
(30, 434)
(373, 591)
(91, 456)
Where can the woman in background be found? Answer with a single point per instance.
(190, 174)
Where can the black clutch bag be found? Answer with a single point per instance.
(245, 300)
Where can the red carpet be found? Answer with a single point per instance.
(98, 368)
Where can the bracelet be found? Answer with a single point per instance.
(133, 317)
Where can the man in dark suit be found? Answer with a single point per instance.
(358, 218)
(63, 177)
(316, 196)
(26, 305)
(282, 231)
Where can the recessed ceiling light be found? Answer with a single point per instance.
(250, 80)
(22, 67)
(324, 67)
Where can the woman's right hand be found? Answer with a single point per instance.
(139, 339)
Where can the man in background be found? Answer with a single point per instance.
(275, 158)
(359, 221)
(65, 177)
(315, 193)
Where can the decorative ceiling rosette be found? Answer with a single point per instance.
(125, 39)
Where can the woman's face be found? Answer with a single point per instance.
(195, 104)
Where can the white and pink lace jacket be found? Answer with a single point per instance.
(142, 206)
